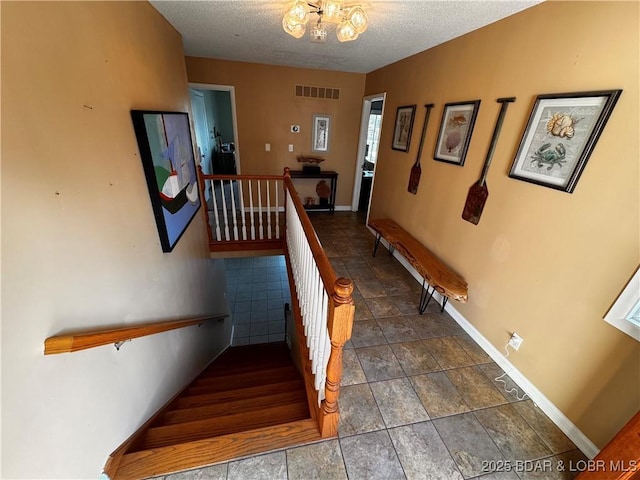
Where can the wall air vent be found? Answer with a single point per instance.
(317, 92)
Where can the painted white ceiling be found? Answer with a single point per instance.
(251, 30)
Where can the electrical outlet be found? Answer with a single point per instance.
(267, 147)
(291, 147)
(515, 341)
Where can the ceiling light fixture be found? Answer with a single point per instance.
(350, 21)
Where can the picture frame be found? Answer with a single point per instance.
(403, 128)
(560, 135)
(321, 130)
(166, 151)
(456, 128)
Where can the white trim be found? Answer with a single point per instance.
(362, 146)
(343, 208)
(627, 302)
(560, 419)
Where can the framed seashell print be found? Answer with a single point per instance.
(562, 131)
(455, 132)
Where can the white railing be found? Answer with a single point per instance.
(323, 308)
(313, 298)
(243, 207)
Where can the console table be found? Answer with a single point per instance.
(323, 174)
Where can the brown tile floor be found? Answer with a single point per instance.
(419, 396)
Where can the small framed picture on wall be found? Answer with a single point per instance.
(404, 125)
(456, 128)
(321, 129)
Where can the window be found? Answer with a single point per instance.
(625, 312)
(373, 137)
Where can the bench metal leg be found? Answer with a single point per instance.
(375, 247)
(425, 297)
(444, 303)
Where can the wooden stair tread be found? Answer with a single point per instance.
(165, 460)
(237, 394)
(231, 407)
(226, 368)
(250, 353)
(212, 427)
(242, 380)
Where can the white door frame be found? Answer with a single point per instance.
(232, 92)
(204, 146)
(362, 149)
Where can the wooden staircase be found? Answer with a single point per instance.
(250, 400)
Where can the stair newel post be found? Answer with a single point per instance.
(339, 324)
(205, 210)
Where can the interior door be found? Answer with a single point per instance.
(370, 127)
(202, 129)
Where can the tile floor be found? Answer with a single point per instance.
(419, 397)
(257, 290)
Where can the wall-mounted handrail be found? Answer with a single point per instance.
(81, 340)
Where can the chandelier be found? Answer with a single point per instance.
(350, 21)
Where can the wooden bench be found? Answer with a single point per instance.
(434, 273)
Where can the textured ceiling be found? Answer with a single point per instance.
(251, 31)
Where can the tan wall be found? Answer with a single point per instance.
(544, 263)
(80, 247)
(266, 108)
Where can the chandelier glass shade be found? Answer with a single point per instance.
(350, 21)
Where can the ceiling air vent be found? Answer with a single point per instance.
(317, 92)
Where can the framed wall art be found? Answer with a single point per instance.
(321, 128)
(404, 126)
(560, 135)
(455, 132)
(164, 140)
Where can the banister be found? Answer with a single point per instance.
(208, 176)
(324, 266)
(81, 340)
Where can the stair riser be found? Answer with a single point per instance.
(228, 408)
(213, 385)
(198, 430)
(232, 395)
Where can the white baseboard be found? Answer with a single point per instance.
(560, 419)
(581, 441)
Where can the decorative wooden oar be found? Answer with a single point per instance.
(416, 171)
(479, 192)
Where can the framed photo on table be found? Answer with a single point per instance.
(562, 131)
(166, 150)
(456, 127)
(404, 126)
(321, 128)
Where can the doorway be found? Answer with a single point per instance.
(368, 146)
(216, 127)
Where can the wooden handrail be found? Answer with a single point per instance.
(322, 261)
(208, 176)
(81, 340)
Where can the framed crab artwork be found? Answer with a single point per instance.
(561, 133)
